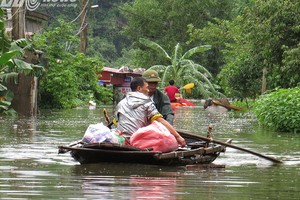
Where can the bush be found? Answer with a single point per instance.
(71, 78)
(279, 109)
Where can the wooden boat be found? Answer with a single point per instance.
(178, 104)
(182, 102)
(196, 152)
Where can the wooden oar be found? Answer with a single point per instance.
(232, 146)
(188, 88)
(109, 123)
(106, 116)
(229, 106)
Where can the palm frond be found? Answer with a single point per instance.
(4, 41)
(205, 79)
(2, 87)
(184, 70)
(4, 105)
(166, 76)
(22, 66)
(158, 68)
(202, 90)
(194, 50)
(176, 52)
(37, 71)
(20, 45)
(203, 70)
(5, 57)
(220, 95)
(23, 43)
(12, 76)
(155, 47)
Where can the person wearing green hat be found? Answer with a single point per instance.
(161, 100)
(137, 111)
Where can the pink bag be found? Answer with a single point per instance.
(155, 136)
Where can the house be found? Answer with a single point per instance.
(32, 24)
(120, 79)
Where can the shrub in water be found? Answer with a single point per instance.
(279, 109)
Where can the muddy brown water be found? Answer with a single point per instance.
(32, 169)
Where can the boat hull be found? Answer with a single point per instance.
(98, 154)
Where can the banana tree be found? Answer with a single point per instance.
(11, 64)
(183, 70)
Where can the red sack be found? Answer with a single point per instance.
(155, 136)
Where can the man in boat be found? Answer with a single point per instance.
(137, 110)
(161, 100)
(171, 91)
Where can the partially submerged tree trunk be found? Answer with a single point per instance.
(25, 95)
(25, 91)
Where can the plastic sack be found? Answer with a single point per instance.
(155, 136)
(97, 133)
(119, 139)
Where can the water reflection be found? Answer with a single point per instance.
(141, 181)
(154, 187)
(136, 187)
(123, 169)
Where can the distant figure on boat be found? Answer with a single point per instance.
(172, 91)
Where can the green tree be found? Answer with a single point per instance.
(239, 77)
(264, 34)
(267, 36)
(165, 22)
(71, 77)
(272, 29)
(183, 70)
(105, 24)
(11, 64)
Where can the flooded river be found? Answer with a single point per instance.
(31, 167)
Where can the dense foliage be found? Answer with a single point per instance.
(279, 109)
(182, 69)
(12, 64)
(71, 77)
(264, 34)
(105, 24)
(165, 22)
(246, 37)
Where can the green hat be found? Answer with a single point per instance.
(151, 76)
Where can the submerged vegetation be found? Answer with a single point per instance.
(279, 109)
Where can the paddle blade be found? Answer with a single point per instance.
(228, 105)
(189, 86)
